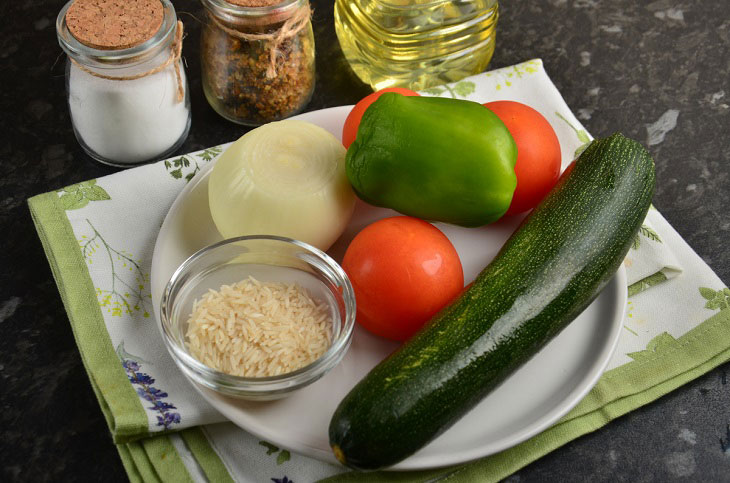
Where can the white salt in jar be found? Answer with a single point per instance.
(126, 85)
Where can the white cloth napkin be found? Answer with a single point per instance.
(115, 221)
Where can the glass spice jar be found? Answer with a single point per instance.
(125, 80)
(257, 58)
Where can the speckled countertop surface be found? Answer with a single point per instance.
(658, 71)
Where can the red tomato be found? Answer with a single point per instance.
(538, 153)
(403, 270)
(349, 130)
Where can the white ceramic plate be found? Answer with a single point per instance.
(531, 400)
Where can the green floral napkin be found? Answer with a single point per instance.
(99, 237)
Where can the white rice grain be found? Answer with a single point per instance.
(258, 329)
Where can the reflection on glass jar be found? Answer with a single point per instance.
(416, 43)
(126, 85)
(257, 61)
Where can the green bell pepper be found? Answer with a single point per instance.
(434, 158)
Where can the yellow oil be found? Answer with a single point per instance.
(416, 43)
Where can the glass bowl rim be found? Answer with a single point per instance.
(302, 375)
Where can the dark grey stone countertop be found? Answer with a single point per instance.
(657, 71)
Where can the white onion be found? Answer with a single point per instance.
(284, 178)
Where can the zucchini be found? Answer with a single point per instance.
(545, 275)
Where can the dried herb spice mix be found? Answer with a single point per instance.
(257, 58)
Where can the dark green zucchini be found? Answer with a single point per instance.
(545, 275)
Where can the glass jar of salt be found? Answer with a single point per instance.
(126, 85)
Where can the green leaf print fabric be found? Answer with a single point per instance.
(99, 237)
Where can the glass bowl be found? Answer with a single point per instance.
(267, 259)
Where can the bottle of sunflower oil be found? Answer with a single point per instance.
(416, 43)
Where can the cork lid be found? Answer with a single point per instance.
(114, 24)
(254, 3)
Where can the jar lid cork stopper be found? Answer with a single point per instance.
(254, 3)
(114, 24)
